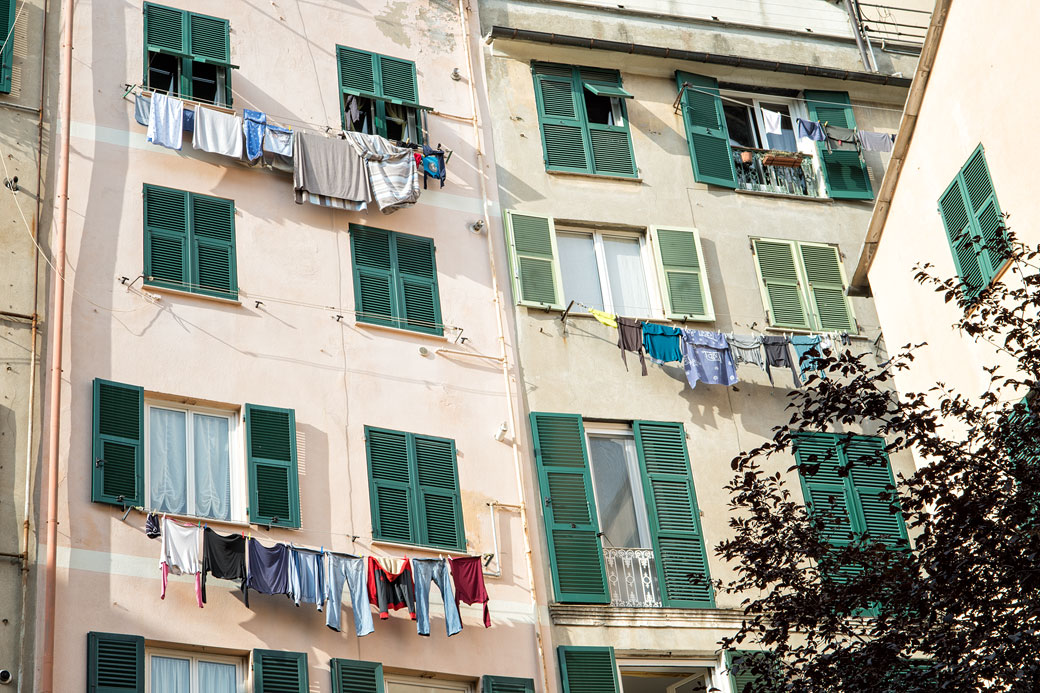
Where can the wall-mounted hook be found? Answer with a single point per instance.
(338, 318)
(259, 303)
(11, 184)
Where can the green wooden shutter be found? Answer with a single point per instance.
(118, 444)
(870, 474)
(985, 212)
(506, 684)
(535, 264)
(375, 297)
(355, 676)
(572, 527)
(274, 485)
(782, 289)
(275, 671)
(681, 269)
(564, 136)
(165, 30)
(682, 561)
(213, 246)
(7, 16)
(739, 676)
(209, 39)
(706, 130)
(419, 304)
(115, 663)
(356, 70)
(611, 144)
(397, 80)
(391, 486)
(826, 288)
(960, 234)
(823, 484)
(844, 172)
(440, 503)
(588, 669)
(166, 237)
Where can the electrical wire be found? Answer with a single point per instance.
(759, 96)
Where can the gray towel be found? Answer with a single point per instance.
(841, 139)
(746, 349)
(329, 168)
(875, 141)
(142, 109)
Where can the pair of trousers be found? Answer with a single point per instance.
(351, 571)
(436, 570)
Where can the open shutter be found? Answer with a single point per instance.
(681, 269)
(7, 15)
(820, 470)
(390, 485)
(588, 669)
(706, 130)
(826, 288)
(356, 70)
(418, 298)
(985, 212)
(355, 676)
(740, 676)
(611, 144)
(210, 39)
(166, 30)
(682, 561)
(166, 237)
(870, 474)
(274, 485)
(275, 671)
(781, 289)
(398, 80)
(213, 246)
(961, 236)
(572, 527)
(118, 450)
(115, 663)
(844, 172)
(374, 291)
(506, 684)
(564, 142)
(440, 504)
(534, 260)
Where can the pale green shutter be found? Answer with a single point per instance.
(741, 676)
(873, 487)
(536, 269)
(564, 136)
(274, 485)
(375, 295)
(418, 298)
(588, 669)
(843, 171)
(355, 676)
(391, 486)
(683, 277)
(166, 230)
(7, 17)
(506, 684)
(275, 671)
(117, 462)
(115, 663)
(572, 527)
(440, 503)
(780, 284)
(213, 264)
(826, 288)
(706, 130)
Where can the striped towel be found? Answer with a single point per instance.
(392, 173)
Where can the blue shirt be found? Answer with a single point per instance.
(663, 344)
(706, 358)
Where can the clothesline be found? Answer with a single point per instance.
(687, 85)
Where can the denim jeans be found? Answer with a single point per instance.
(349, 570)
(425, 570)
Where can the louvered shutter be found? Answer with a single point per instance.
(961, 236)
(166, 237)
(578, 571)
(440, 504)
(118, 450)
(418, 299)
(564, 136)
(683, 279)
(682, 561)
(982, 203)
(873, 486)
(535, 263)
(826, 288)
(823, 484)
(506, 684)
(374, 284)
(209, 39)
(356, 70)
(213, 246)
(782, 290)
(274, 485)
(275, 671)
(166, 30)
(391, 488)
(355, 676)
(397, 80)
(611, 144)
(843, 171)
(706, 130)
(740, 677)
(115, 663)
(588, 669)
(7, 16)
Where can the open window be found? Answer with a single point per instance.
(187, 54)
(379, 95)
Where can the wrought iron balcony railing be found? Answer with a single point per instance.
(786, 173)
(632, 576)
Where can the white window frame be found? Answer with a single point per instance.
(236, 456)
(460, 686)
(195, 657)
(635, 475)
(709, 671)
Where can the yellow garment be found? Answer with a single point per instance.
(605, 318)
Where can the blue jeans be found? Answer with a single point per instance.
(425, 570)
(349, 570)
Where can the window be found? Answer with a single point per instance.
(803, 285)
(506, 684)
(618, 487)
(974, 224)
(414, 489)
(379, 95)
(187, 54)
(189, 242)
(395, 280)
(584, 120)
(170, 671)
(7, 17)
(403, 684)
(606, 271)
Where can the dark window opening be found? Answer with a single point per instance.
(359, 114)
(164, 73)
(601, 109)
(207, 83)
(400, 123)
(742, 130)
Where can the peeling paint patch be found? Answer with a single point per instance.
(433, 22)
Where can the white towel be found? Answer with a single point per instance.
(218, 132)
(166, 126)
(773, 121)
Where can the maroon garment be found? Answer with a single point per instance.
(468, 574)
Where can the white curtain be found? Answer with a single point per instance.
(216, 677)
(171, 675)
(615, 497)
(212, 467)
(579, 269)
(627, 283)
(168, 463)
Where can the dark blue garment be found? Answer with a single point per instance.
(663, 344)
(269, 568)
(706, 358)
(255, 125)
(433, 165)
(811, 129)
(189, 120)
(802, 345)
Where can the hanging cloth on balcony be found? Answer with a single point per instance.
(468, 575)
(774, 121)
(166, 122)
(811, 130)
(875, 141)
(630, 338)
(142, 109)
(392, 175)
(218, 132)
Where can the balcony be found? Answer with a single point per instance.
(632, 577)
(770, 171)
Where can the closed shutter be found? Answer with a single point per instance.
(356, 70)
(706, 130)
(682, 561)
(779, 276)
(275, 671)
(506, 684)
(213, 246)
(564, 138)
(274, 490)
(572, 527)
(166, 237)
(843, 171)
(535, 264)
(7, 16)
(683, 279)
(166, 30)
(588, 669)
(440, 504)
(823, 484)
(210, 39)
(118, 451)
(355, 676)
(740, 676)
(398, 80)
(390, 486)
(115, 663)
(873, 486)
(374, 290)
(826, 288)
(418, 298)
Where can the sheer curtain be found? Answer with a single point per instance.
(168, 461)
(615, 496)
(579, 269)
(217, 677)
(171, 675)
(627, 283)
(212, 467)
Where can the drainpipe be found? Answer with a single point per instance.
(864, 54)
(54, 356)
